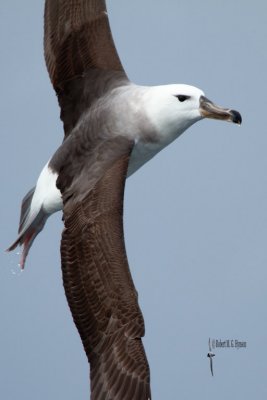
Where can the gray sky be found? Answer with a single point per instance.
(195, 216)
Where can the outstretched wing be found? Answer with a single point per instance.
(211, 366)
(80, 55)
(83, 66)
(98, 284)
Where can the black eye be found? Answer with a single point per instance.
(182, 97)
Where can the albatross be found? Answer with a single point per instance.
(112, 127)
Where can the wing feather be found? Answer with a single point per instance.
(77, 38)
(83, 66)
(80, 55)
(100, 289)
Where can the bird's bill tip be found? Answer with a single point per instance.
(210, 110)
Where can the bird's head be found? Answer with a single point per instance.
(173, 108)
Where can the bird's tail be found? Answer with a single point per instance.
(32, 221)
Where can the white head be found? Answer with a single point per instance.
(174, 108)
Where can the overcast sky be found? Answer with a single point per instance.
(195, 216)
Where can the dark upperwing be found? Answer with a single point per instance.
(80, 55)
(83, 65)
(100, 290)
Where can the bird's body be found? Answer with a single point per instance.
(146, 116)
(210, 355)
(112, 127)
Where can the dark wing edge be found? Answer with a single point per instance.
(77, 37)
(100, 290)
(80, 54)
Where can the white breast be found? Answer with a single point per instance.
(142, 153)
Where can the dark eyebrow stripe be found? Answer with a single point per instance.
(182, 97)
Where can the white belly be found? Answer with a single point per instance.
(46, 193)
(48, 196)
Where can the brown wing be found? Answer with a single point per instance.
(77, 38)
(79, 53)
(100, 290)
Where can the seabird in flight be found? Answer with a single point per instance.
(112, 127)
(210, 355)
